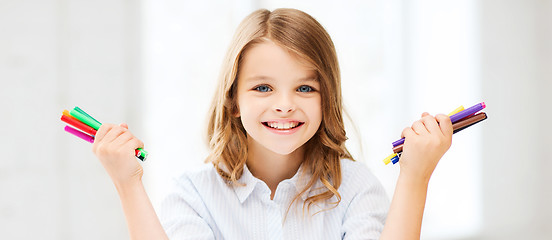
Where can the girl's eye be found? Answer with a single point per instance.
(305, 88)
(263, 88)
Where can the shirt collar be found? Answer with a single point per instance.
(247, 183)
(300, 180)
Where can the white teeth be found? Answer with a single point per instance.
(283, 126)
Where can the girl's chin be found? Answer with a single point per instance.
(283, 150)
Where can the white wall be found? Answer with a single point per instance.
(516, 63)
(55, 55)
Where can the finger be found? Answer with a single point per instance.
(115, 132)
(102, 131)
(445, 124)
(424, 114)
(134, 143)
(122, 139)
(408, 132)
(431, 124)
(419, 128)
(124, 125)
(127, 140)
(405, 129)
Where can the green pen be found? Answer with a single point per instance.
(86, 114)
(86, 120)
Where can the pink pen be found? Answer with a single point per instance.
(79, 134)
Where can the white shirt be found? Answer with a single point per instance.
(203, 206)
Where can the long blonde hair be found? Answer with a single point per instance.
(303, 36)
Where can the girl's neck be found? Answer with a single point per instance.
(271, 167)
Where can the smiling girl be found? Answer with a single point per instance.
(279, 168)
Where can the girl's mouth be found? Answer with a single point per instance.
(282, 126)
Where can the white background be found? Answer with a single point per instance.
(153, 64)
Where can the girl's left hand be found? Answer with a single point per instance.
(426, 141)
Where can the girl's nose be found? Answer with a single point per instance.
(284, 104)
(284, 110)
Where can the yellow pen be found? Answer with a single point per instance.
(457, 110)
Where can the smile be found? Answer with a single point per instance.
(283, 125)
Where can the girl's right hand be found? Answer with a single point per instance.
(115, 145)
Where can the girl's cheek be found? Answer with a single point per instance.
(314, 107)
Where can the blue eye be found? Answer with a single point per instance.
(305, 88)
(263, 88)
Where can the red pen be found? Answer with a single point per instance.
(77, 124)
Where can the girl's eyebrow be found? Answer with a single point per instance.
(267, 78)
(259, 78)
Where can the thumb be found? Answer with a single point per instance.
(124, 125)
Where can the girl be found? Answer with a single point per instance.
(280, 169)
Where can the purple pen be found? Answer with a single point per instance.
(79, 134)
(398, 142)
(455, 118)
(471, 110)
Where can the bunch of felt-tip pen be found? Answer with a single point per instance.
(461, 119)
(85, 127)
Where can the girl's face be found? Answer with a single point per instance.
(278, 98)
